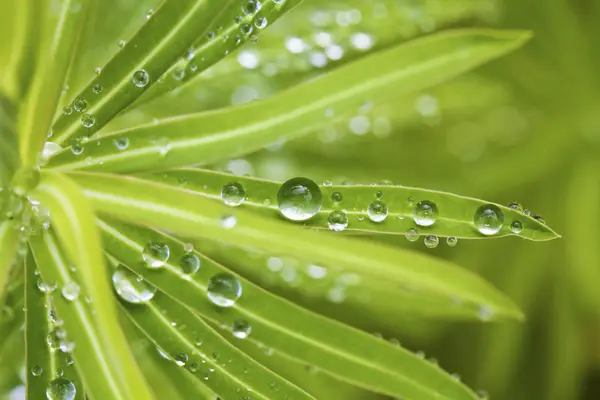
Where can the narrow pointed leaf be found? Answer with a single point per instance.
(9, 242)
(212, 136)
(9, 150)
(73, 219)
(45, 360)
(455, 219)
(190, 214)
(331, 347)
(42, 100)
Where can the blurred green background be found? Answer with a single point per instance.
(525, 128)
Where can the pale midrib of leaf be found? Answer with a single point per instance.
(196, 184)
(43, 98)
(277, 327)
(63, 136)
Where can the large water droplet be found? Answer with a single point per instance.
(189, 263)
(425, 213)
(130, 287)
(337, 221)
(241, 329)
(488, 219)
(224, 290)
(155, 254)
(70, 291)
(299, 199)
(377, 211)
(233, 194)
(61, 389)
(141, 78)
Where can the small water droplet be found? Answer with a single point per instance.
(178, 73)
(80, 105)
(190, 264)
(516, 206)
(36, 370)
(88, 120)
(336, 197)
(451, 241)
(250, 7)
(377, 211)
(337, 221)
(224, 290)
(233, 194)
(425, 213)
(431, 241)
(141, 78)
(156, 254)
(97, 88)
(67, 110)
(299, 199)
(130, 287)
(516, 227)
(121, 142)
(121, 43)
(70, 291)
(260, 22)
(228, 221)
(489, 219)
(181, 359)
(241, 329)
(60, 389)
(412, 235)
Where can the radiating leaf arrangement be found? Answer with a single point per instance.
(139, 266)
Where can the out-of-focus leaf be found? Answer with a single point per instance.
(74, 222)
(9, 151)
(208, 137)
(55, 60)
(179, 211)
(339, 350)
(47, 364)
(455, 219)
(9, 241)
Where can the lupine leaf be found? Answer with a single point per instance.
(73, 220)
(339, 350)
(213, 136)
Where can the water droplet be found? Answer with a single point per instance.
(336, 197)
(54, 338)
(188, 247)
(50, 149)
(299, 199)
(60, 389)
(149, 13)
(130, 287)
(80, 105)
(155, 254)
(539, 219)
(241, 329)
(97, 88)
(67, 110)
(181, 359)
(377, 211)
(228, 221)
(451, 241)
(46, 287)
(489, 219)
(337, 221)
(251, 7)
(178, 73)
(431, 241)
(233, 194)
(190, 264)
(88, 120)
(425, 213)
(527, 212)
(260, 22)
(121, 142)
(412, 235)
(516, 227)
(141, 78)
(36, 370)
(224, 290)
(516, 206)
(121, 43)
(70, 291)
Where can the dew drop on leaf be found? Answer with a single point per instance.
(53, 339)
(141, 78)
(88, 120)
(488, 219)
(67, 110)
(80, 105)
(377, 211)
(36, 370)
(299, 199)
(181, 359)
(189, 263)
(337, 221)
(233, 194)
(516, 206)
(97, 88)
(336, 197)
(412, 235)
(425, 213)
(155, 254)
(130, 287)
(431, 241)
(60, 389)
(451, 241)
(228, 221)
(516, 227)
(121, 142)
(224, 290)
(70, 291)
(241, 329)
(50, 149)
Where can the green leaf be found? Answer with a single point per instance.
(455, 219)
(201, 350)
(184, 212)
(168, 33)
(212, 136)
(280, 326)
(43, 336)
(9, 242)
(9, 150)
(55, 60)
(74, 222)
